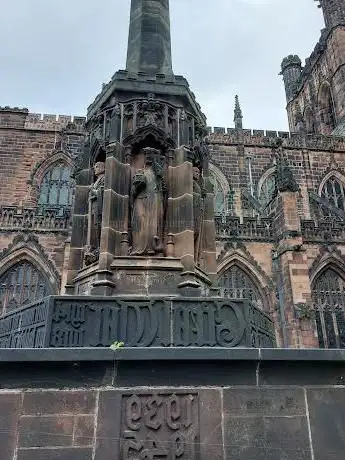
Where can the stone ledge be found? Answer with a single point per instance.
(70, 355)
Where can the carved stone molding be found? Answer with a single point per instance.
(27, 245)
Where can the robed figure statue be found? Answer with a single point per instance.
(148, 206)
(95, 214)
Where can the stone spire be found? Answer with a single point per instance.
(149, 41)
(238, 114)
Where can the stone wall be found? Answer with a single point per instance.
(29, 145)
(90, 405)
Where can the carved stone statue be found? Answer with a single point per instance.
(148, 206)
(95, 215)
(198, 210)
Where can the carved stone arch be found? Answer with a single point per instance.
(149, 136)
(339, 175)
(253, 271)
(221, 189)
(42, 166)
(97, 152)
(26, 273)
(326, 110)
(328, 257)
(28, 247)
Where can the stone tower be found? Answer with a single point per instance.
(315, 92)
(333, 11)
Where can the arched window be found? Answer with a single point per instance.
(57, 188)
(329, 305)
(234, 283)
(22, 284)
(266, 192)
(326, 109)
(334, 191)
(222, 192)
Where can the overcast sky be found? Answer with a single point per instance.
(55, 54)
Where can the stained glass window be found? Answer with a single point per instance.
(223, 195)
(234, 283)
(20, 285)
(334, 192)
(266, 193)
(329, 305)
(57, 188)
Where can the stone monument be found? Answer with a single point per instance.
(142, 267)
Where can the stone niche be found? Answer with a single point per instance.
(143, 221)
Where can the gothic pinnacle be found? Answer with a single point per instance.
(238, 114)
(149, 41)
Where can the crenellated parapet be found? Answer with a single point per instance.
(263, 138)
(15, 117)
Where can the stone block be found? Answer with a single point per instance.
(159, 424)
(59, 402)
(46, 431)
(10, 405)
(71, 453)
(268, 423)
(327, 422)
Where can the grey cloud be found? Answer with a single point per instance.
(55, 54)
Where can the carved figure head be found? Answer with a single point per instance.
(196, 173)
(99, 168)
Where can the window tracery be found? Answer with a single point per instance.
(223, 196)
(334, 191)
(266, 193)
(57, 188)
(234, 283)
(329, 304)
(20, 285)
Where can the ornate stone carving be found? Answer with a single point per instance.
(285, 181)
(198, 210)
(160, 425)
(81, 322)
(148, 195)
(91, 253)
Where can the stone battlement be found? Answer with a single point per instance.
(258, 137)
(14, 117)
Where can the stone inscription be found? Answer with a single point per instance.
(140, 324)
(25, 328)
(208, 324)
(160, 427)
(80, 322)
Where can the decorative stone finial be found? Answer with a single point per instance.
(238, 114)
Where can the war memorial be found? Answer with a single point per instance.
(143, 357)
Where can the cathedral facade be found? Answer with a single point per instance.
(279, 201)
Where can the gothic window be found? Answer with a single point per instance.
(57, 188)
(329, 305)
(221, 190)
(326, 109)
(266, 193)
(21, 284)
(234, 283)
(334, 191)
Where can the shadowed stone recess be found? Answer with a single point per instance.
(149, 41)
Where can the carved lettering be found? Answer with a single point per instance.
(159, 427)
